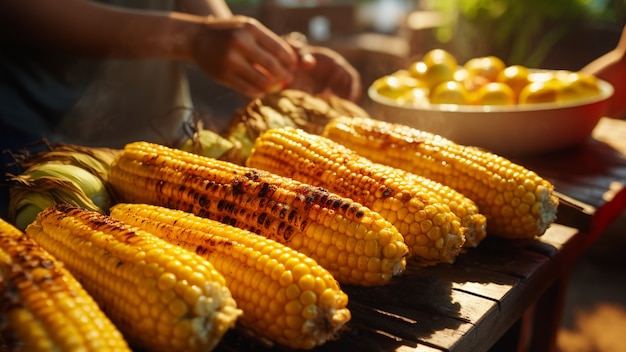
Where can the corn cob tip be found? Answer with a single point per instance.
(516, 201)
(286, 297)
(159, 295)
(429, 227)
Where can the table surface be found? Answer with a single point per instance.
(471, 304)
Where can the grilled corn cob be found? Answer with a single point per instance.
(430, 229)
(517, 202)
(465, 208)
(160, 296)
(285, 296)
(357, 245)
(43, 307)
(281, 155)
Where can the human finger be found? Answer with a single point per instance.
(299, 43)
(243, 86)
(346, 84)
(271, 52)
(246, 77)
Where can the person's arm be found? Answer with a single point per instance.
(88, 28)
(217, 8)
(611, 67)
(324, 70)
(320, 69)
(237, 51)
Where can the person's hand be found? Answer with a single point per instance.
(241, 53)
(321, 69)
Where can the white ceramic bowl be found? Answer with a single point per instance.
(506, 130)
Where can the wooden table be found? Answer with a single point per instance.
(504, 295)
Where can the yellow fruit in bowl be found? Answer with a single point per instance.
(431, 75)
(578, 86)
(539, 92)
(494, 93)
(440, 56)
(482, 70)
(450, 92)
(416, 96)
(437, 74)
(396, 86)
(516, 77)
(417, 69)
(437, 66)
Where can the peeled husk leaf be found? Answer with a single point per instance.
(285, 108)
(30, 195)
(94, 160)
(65, 174)
(206, 142)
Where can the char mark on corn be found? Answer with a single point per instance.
(430, 229)
(517, 202)
(160, 296)
(43, 307)
(357, 245)
(285, 296)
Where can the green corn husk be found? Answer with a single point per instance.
(94, 160)
(66, 174)
(206, 142)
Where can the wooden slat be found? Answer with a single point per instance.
(449, 306)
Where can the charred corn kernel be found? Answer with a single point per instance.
(42, 306)
(234, 252)
(517, 202)
(406, 204)
(140, 280)
(309, 219)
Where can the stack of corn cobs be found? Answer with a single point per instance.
(168, 249)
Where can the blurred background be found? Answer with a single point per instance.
(382, 36)
(377, 35)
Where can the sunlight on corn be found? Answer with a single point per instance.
(357, 245)
(517, 202)
(161, 297)
(43, 307)
(285, 296)
(417, 209)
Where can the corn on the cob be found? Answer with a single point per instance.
(517, 202)
(430, 229)
(309, 158)
(160, 296)
(357, 245)
(65, 173)
(43, 307)
(285, 296)
(465, 208)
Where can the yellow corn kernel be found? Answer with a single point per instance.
(235, 252)
(465, 208)
(146, 286)
(43, 307)
(322, 162)
(309, 219)
(517, 202)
